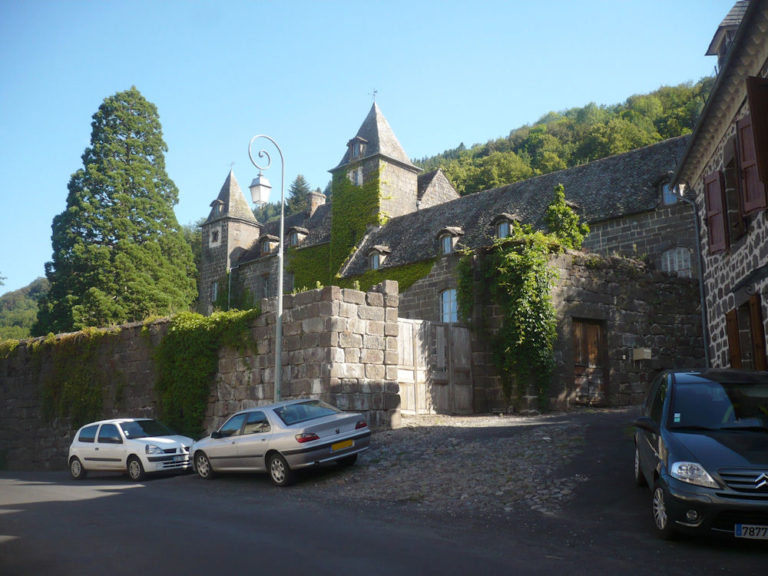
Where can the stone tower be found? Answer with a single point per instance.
(230, 230)
(376, 150)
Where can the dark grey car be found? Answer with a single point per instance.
(701, 444)
(281, 438)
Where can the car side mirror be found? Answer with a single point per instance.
(645, 423)
(216, 434)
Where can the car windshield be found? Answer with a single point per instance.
(716, 406)
(296, 413)
(145, 428)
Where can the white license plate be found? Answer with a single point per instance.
(751, 531)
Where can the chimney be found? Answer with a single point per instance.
(316, 199)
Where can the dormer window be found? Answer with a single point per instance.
(668, 196)
(357, 147)
(268, 244)
(502, 225)
(218, 207)
(448, 237)
(377, 256)
(296, 235)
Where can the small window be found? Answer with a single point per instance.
(109, 434)
(214, 291)
(374, 260)
(677, 261)
(215, 237)
(265, 286)
(256, 423)
(502, 229)
(668, 196)
(293, 239)
(88, 434)
(449, 311)
(446, 244)
(356, 176)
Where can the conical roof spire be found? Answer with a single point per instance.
(231, 202)
(377, 138)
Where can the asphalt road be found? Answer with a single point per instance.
(183, 525)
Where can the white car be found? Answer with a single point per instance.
(134, 445)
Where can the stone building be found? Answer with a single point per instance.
(388, 220)
(725, 171)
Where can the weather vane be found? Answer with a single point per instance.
(374, 94)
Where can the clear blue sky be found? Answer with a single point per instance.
(304, 72)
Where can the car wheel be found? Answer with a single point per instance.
(639, 478)
(347, 461)
(203, 466)
(279, 471)
(135, 469)
(76, 469)
(660, 514)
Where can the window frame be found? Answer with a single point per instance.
(449, 308)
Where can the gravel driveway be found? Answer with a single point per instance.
(473, 465)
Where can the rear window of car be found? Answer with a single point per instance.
(305, 411)
(88, 434)
(145, 428)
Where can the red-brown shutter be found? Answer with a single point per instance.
(713, 195)
(757, 95)
(758, 332)
(752, 189)
(732, 330)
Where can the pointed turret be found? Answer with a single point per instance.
(375, 138)
(231, 202)
(375, 154)
(230, 230)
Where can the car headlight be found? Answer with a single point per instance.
(692, 473)
(152, 449)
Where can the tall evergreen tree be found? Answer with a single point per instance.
(119, 254)
(298, 196)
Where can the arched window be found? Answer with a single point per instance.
(677, 261)
(449, 311)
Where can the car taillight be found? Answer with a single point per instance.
(361, 424)
(306, 437)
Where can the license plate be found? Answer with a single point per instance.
(342, 445)
(178, 458)
(751, 531)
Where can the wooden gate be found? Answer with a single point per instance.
(435, 370)
(589, 362)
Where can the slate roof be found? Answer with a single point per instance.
(730, 22)
(379, 140)
(231, 202)
(609, 188)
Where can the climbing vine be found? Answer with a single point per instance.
(353, 209)
(187, 360)
(405, 276)
(516, 276)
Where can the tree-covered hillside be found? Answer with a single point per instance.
(562, 140)
(18, 310)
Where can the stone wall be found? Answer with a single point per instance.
(638, 308)
(339, 345)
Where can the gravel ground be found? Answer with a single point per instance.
(474, 465)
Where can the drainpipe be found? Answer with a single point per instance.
(704, 330)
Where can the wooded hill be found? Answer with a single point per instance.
(576, 136)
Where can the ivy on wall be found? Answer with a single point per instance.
(515, 274)
(353, 210)
(74, 387)
(309, 265)
(405, 276)
(187, 361)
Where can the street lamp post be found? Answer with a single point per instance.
(260, 189)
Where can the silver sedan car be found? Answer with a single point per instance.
(281, 438)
